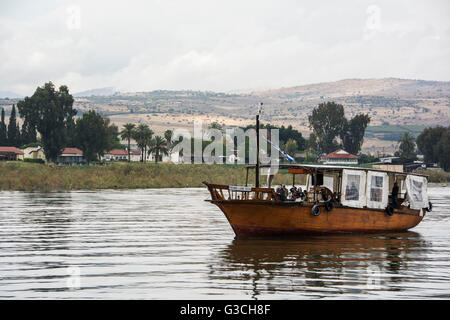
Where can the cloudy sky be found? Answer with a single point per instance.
(219, 45)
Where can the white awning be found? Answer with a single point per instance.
(353, 188)
(416, 188)
(377, 189)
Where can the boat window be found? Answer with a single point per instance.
(377, 189)
(354, 188)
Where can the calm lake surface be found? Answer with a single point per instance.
(170, 244)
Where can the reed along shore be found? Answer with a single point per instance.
(23, 176)
(122, 175)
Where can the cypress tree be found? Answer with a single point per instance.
(3, 131)
(13, 132)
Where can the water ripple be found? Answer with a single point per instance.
(170, 244)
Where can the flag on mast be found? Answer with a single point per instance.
(288, 157)
(260, 109)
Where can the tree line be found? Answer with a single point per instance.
(434, 143)
(143, 136)
(50, 113)
(11, 134)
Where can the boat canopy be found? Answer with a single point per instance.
(328, 168)
(354, 188)
(416, 187)
(362, 187)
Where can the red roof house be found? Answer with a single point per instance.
(117, 152)
(10, 153)
(339, 156)
(72, 151)
(116, 155)
(70, 155)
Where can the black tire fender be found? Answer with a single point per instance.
(315, 210)
(329, 205)
(430, 207)
(389, 210)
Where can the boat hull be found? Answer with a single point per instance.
(260, 218)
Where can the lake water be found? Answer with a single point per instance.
(170, 244)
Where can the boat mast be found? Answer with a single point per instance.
(257, 146)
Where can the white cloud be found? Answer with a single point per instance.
(229, 45)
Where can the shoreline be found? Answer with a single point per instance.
(21, 176)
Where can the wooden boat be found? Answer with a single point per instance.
(336, 200)
(325, 208)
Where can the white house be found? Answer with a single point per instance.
(135, 155)
(34, 153)
(116, 155)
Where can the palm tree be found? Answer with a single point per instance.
(143, 136)
(159, 146)
(127, 134)
(168, 134)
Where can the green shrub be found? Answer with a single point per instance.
(33, 160)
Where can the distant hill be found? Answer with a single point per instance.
(394, 105)
(107, 91)
(387, 87)
(388, 101)
(10, 95)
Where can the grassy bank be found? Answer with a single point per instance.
(39, 177)
(31, 177)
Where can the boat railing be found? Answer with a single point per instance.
(221, 192)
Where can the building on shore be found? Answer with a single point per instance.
(34, 153)
(393, 160)
(116, 155)
(71, 156)
(339, 156)
(170, 157)
(11, 153)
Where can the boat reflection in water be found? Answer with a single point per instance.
(324, 266)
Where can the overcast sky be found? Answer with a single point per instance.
(219, 45)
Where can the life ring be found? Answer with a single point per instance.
(315, 210)
(430, 207)
(329, 205)
(389, 210)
